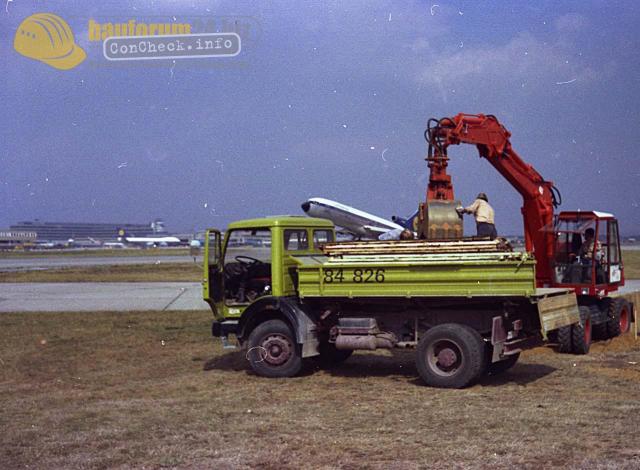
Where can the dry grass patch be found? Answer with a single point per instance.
(101, 253)
(631, 259)
(151, 389)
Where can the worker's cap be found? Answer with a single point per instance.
(47, 37)
(482, 196)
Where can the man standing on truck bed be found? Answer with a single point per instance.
(483, 214)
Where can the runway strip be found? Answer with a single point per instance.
(97, 296)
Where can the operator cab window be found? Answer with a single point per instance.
(296, 240)
(580, 249)
(247, 265)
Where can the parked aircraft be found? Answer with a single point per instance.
(359, 223)
(148, 241)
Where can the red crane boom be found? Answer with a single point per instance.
(492, 140)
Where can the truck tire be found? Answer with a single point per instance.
(450, 356)
(581, 332)
(499, 367)
(619, 317)
(272, 350)
(330, 355)
(564, 339)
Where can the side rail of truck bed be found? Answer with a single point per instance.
(417, 275)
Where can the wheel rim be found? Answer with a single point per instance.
(587, 331)
(624, 319)
(276, 349)
(444, 357)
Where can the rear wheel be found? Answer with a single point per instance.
(450, 356)
(273, 351)
(581, 332)
(620, 317)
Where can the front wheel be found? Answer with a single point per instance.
(620, 317)
(450, 356)
(581, 332)
(273, 351)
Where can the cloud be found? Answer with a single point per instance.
(523, 60)
(571, 23)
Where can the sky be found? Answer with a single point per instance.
(326, 99)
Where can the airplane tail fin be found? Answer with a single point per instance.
(410, 222)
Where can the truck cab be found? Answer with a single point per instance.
(254, 260)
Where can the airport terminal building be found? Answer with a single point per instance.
(79, 230)
(12, 238)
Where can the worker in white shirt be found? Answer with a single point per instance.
(483, 214)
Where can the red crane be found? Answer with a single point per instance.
(492, 141)
(577, 249)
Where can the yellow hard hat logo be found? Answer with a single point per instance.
(47, 37)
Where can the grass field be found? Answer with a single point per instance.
(162, 272)
(97, 253)
(631, 260)
(151, 389)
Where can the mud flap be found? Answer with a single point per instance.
(306, 334)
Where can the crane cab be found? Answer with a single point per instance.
(587, 253)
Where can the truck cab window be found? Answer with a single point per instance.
(296, 240)
(247, 265)
(320, 237)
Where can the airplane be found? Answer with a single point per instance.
(357, 222)
(148, 241)
(83, 243)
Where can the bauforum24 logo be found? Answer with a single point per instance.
(48, 38)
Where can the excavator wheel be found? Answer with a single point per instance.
(599, 330)
(581, 332)
(564, 339)
(620, 317)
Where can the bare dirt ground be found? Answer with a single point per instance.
(152, 390)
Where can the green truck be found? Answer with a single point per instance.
(288, 292)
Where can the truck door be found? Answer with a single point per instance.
(213, 286)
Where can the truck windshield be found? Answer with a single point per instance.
(254, 244)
